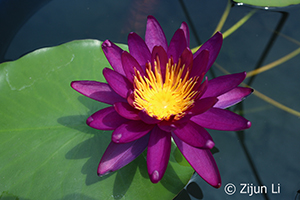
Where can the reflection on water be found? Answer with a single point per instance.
(265, 154)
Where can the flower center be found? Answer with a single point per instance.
(164, 95)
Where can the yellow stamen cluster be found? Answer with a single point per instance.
(164, 97)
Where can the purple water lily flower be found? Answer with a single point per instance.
(158, 92)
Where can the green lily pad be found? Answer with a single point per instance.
(47, 150)
(269, 3)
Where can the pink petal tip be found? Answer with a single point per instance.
(210, 144)
(154, 177)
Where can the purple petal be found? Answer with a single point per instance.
(202, 105)
(220, 119)
(202, 161)
(138, 49)
(117, 156)
(223, 84)
(130, 98)
(177, 45)
(202, 88)
(130, 131)
(117, 82)
(98, 91)
(232, 97)
(186, 60)
(127, 111)
(147, 119)
(167, 126)
(200, 63)
(158, 51)
(194, 135)
(186, 31)
(106, 119)
(213, 45)
(113, 55)
(129, 63)
(155, 36)
(158, 153)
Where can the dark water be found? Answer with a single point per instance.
(268, 153)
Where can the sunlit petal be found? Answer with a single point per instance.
(130, 131)
(194, 135)
(158, 153)
(220, 119)
(113, 55)
(155, 36)
(117, 82)
(202, 161)
(117, 156)
(138, 49)
(106, 119)
(98, 91)
(213, 45)
(223, 84)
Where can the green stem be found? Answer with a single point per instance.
(274, 64)
(234, 27)
(224, 17)
(221, 22)
(239, 23)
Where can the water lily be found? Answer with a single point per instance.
(158, 92)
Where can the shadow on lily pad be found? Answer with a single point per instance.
(8, 196)
(124, 179)
(92, 147)
(170, 180)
